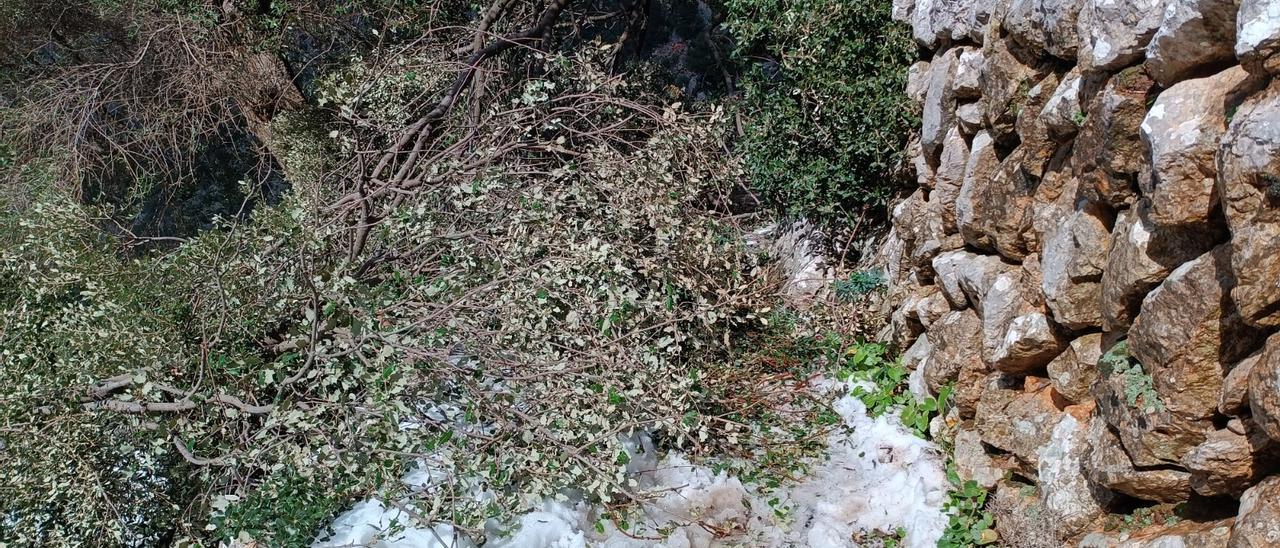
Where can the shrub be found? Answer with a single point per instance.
(823, 92)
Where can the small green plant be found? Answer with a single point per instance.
(1079, 117)
(858, 284)
(885, 389)
(1139, 387)
(970, 524)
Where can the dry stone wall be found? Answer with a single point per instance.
(1092, 256)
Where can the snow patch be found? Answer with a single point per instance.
(876, 477)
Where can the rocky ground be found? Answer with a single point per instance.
(1092, 255)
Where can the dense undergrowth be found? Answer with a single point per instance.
(493, 264)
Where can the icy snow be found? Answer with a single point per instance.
(876, 477)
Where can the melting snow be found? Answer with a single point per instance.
(876, 477)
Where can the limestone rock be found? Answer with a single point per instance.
(1019, 421)
(973, 462)
(1182, 130)
(1248, 170)
(916, 355)
(1008, 74)
(936, 23)
(1109, 466)
(1073, 502)
(902, 9)
(1141, 257)
(1188, 331)
(953, 342)
(1074, 258)
(1235, 387)
(980, 16)
(918, 82)
(1074, 371)
(1046, 25)
(1258, 35)
(1055, 199)
(1037, 147)
(1264, 388)
(968, 80)
(1227, 462)
(950, 177)
(1258, 521)
(931, 306)
(993, 212)
(969, 118)
(1115, 33)
(938, 113)
(1194, 35)
(1183, 534)
(1108, 151)
(1064, 111)
(1152, 434)
(966, 277)
(924, 169)
(1017, 336)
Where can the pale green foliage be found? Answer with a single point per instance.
(1139, 387)
(526, 314)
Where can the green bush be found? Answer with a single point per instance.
(823, 93)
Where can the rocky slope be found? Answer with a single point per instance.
(1100, 176)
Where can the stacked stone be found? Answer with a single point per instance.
(1089, 172)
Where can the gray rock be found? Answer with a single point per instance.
(1008, 74)
(1235, 387)
(1018, 421)
(938, 114)
(973, 462)
(968, 79)
(1115, 33)
(1188, 331)
(1017, 336)
(1227, 462)
(1194, 36)
(1248, 169)
(1109, 466)
(1258, 35)
(1152, 435)
(1074, 258)
(1141, 257)
(918, 82)
(1074, 371)
(969, 117)
(1258, 521)
(948, 181)
(1182, 131)
(1073, 501)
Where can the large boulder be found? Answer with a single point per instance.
(954, 342)
(968, 80)
(993, 213)
(1008, 74)
(1258, 521)
(1228, 462)
(1258, 35)
(1182, 130)
(1152, 435)
(947, 182)
(1017, 336)
(1187, 533)
(1188, 332)
(1064, 112)
(1019, 421)
(1074, 258)
(965, 277)
(1264, 388)
(1249, 183)
(1115, 33)
(972, 461)
(1075, 369)
(1235, 387)
(1141, 257)
(1109, 466)
(1045, 25)
(1108, 151)
(1195, 36)
(1038, 148)
(1072, 501)
(938, 113)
